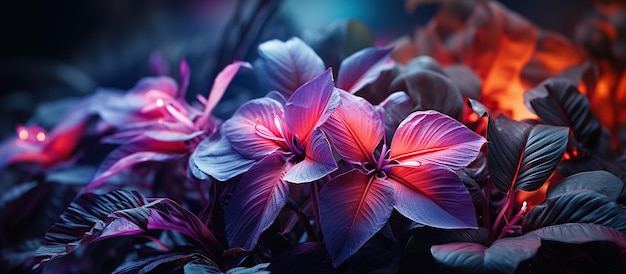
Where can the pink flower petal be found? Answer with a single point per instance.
(432, 137)
(353, 207)
(256, 202)
(252, 131)
(311, 104)
(432, 195)
(355, 128)
(318, 163)
(222, 81)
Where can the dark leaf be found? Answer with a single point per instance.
(94, 217)
(309, 257)
(599, 181)
(557, 102)
(417, 253)
(431, 90)
(580, 206)
(520, 156)
(505, 255)
(363, 68)
(169, 263)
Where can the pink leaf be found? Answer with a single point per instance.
(362, 68)
(288, 65)
(432, 137)
(353, 207)
(252, 131)
(222, 81)
(318, 163)
(432, 195)
(355, 129)
(256, 202)
(311, 104)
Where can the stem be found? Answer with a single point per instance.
(502, 215)
(515, 219)
(316, 209)
(302, 219)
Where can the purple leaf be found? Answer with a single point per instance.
(355, 129)
(432, 195)
(138, 151)
(256, 201)
(362, 68)
(353, 207)
(310, 105)
(220, 84)
(431, 137)
(215, 157)
(318, 163)
(252, 131)
(288, 65)
(93, 217)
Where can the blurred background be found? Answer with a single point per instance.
(57, 49)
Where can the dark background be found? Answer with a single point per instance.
(54, 49)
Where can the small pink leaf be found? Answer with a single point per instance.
(256, 202)
(222, 81)
(353, 207)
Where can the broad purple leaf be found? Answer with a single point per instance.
(522, 157)
(215, 157)
(310, 105)
(252, 130)
(318, 162)
(362, 68)
(598, 180)
(579, 206)
(137, 151)
(355, 129)
(353, 207)
(557, 102)
(505, 255)
(431, 137)
(256, 201)
(93, 217)
(432, 195)
(288, 65)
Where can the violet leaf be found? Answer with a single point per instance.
(256, 201)
(288, 65)
(216, 157)
(599, 181)
(396, 107)
(92, 217)
(168, 263)
(353, 207)
(580, 206)
(362, 68)
(505, 255)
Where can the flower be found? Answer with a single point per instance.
(283, 139)
(415, 174)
